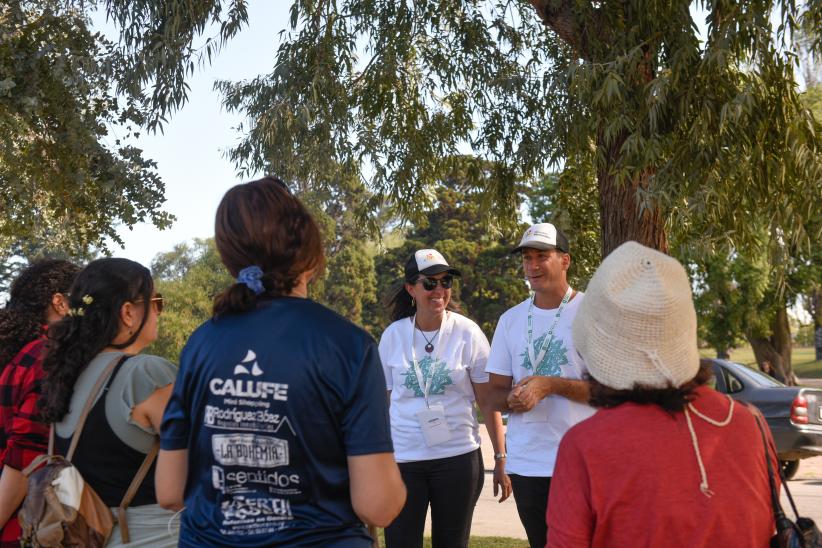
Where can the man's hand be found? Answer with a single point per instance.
(502, 483)
(529, 392)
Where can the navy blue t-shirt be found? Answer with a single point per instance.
(269, 404)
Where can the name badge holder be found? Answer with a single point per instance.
(540, 411)
(432, 419)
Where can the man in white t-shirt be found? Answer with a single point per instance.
(536, 373)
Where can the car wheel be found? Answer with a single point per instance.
(789, 468)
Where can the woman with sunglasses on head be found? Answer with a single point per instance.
(36, 299)
(434, 364)
(113, 315)
(277, 432)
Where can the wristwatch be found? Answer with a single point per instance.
(500, 456)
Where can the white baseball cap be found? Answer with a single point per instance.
(427, 262)
(543, 236)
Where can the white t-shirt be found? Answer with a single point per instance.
(532, 446)
(459, 357)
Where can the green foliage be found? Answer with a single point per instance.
(189, 277)
(66, 180)
(348, 284)
(460, 227)
(569, 200)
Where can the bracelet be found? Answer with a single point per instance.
(500, 456)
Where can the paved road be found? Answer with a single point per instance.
(494, 519)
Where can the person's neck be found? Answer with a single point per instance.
(131, 350)
(429, 322)
(551, 297)
(301, 289)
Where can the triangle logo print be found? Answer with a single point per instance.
(242, 367)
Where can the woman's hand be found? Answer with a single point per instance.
(502, 483)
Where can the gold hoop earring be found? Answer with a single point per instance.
(413, 302)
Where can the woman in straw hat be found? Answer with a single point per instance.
(666, 461)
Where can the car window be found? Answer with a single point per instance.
(760, 378)
(732, 382)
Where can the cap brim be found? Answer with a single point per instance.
(438, 269)
(535, 245)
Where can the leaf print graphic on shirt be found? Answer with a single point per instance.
(439, 381)
(555, 357)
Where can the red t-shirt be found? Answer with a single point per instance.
(628, 476)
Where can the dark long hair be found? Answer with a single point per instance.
(23, 318)
(671, 398)
(97, 296)
(261, 224)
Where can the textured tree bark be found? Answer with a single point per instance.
(620, 215)
(764, 351)
(815, 299)
(781, 339)
(776, 348)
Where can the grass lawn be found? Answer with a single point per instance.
(803, 360)
(479, 542)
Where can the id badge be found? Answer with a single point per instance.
(434, 426)
(538, 414)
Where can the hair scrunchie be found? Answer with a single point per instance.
(250, 276)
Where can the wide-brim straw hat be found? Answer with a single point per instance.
(637, 323)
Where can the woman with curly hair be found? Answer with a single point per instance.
(113, 316)
(37, 298)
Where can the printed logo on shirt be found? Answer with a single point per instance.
(242, 367)
(249, 450)
(254, 516)
(428, 367)
(235, 418)
(248, 388)
(243, 481)
(555, 356)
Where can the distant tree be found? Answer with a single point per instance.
(348, 284)
(189, 276)
(458, 225)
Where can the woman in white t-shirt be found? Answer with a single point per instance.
(434, 362)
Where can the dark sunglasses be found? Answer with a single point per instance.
(158, 302)
(429, 284)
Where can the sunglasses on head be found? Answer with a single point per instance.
(429, 284)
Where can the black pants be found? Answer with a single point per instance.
(451, 486)
(531, 496)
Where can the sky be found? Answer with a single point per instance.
(190, 154)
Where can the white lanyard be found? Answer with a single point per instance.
(549, 337)
(425, 385)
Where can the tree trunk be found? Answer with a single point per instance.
(620, 214)
(777, 348)
(722, 354)
(764, 351)
(781, 338)
(815, 308)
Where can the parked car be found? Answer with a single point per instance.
(794, 413)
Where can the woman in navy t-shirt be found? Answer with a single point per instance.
(277, 431)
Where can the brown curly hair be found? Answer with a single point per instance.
(261, 224)
(23, 318)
